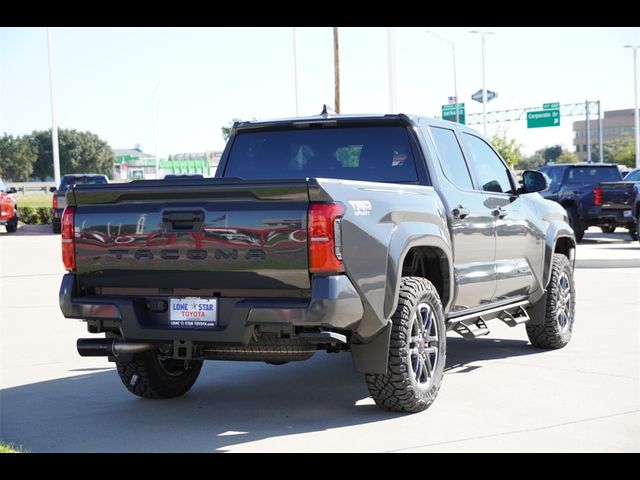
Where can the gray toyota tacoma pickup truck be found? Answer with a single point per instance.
(374, 234)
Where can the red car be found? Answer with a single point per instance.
(8, 208)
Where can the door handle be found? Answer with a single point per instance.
(181, 220)
(460, 212)
(499, 213)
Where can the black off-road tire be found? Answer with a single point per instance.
(575, 223)
(560, 308)
(12, 225)
(412, 380)
(149, 377)
(608, 228)
(56, 226)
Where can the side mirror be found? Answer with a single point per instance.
(12, 190)
(52, 189)
(534, 181)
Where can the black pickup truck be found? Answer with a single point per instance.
(374, 234)
(623, 199)
(577, 187)
(59, 194)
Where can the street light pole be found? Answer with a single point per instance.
(54, 125)
(483, 33)
(155, 132)
(295, 69)
(453, 55)
(391, 65)
(635, 105)
(336, 68)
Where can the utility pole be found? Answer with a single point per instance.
(54, 125)
(635, 105)
(484, 95)
(586, 108)
(453, 55)
(391, 52)
(600, 134)
(336, 66)
(483, 33)
(155, 131)
(295, 70)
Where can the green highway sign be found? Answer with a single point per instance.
(543, 118)
(550, 106)
(449, 112)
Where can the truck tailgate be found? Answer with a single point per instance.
(617, 195)
(209, 234)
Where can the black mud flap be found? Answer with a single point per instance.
(373, 357)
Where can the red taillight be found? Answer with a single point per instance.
(68, 252)
(597, 196)
(325, 238)
(55, 202)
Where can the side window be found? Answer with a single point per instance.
(451, 159)
(633, 176)
(555, 175)
(491, 173)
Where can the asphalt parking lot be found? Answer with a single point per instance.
(498, 394)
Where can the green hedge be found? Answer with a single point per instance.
(33, 216)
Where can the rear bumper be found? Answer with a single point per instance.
(601, 216)
(334, 304)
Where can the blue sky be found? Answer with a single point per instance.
(105, 77)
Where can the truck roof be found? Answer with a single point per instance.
(398, 118)
(581, 164)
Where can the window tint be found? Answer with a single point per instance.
(490, 171)
(380, 154)
(71, 180)
(555, 175)
(588, 174)
(451, 158)
(633, 176)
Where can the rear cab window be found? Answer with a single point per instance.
(589, 174)
(372, 153)
(66, 182)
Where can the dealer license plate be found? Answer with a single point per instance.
(193, 312)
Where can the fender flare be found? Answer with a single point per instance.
(557, 230)
(407, 236)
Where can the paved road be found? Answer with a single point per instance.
(499, 394)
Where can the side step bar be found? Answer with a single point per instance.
(472, 329)
(517, 318)
(472, 325)
(487, 311)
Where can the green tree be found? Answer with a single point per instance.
(80, 152)
(567, 157)
(532, 162)
(508, 148)
(621, 151)
(17, 157)
(226, 131)
(552, 153)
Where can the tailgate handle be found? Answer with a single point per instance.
(186, 221)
